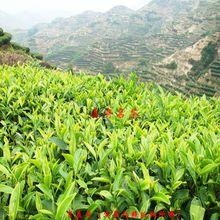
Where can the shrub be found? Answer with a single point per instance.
(143, 62)
(172, 65)
(19, 47)
(37, 56)
(11, 59)
(109, 68)
(208, 55)
(1, 32)
(47, 65)
(5, 39)
(55, 157)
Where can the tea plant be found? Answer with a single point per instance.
(55, 157)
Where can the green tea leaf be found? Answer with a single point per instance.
(70, 159)
(59, 143)
(63, 206)
(101, 179)
(208, 168)
(215, 216)
(106, 194)
(6, 189)
(14, 201)
(79, 156)
(161, 197)
(197, 212)
(91, 149)
(38, 201)
(4, 170)
(45, 190)
(46, 212)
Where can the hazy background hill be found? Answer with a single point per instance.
(123, 37)
(27, 19)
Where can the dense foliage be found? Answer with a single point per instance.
(14, 53)
(19, 47)
(109, 68)
(54, 156)
(172, 65)
(208, 54)
(5, 39)
(37, 56)
(1, 32)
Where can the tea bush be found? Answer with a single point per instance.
(54, 156)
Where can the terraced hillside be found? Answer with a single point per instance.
(209, 83)
(123, 37)
(193, 70)
(215, 72)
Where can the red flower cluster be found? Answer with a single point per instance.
(120, 113)
(95, 113)
(171, 214)
(134, 113)
(70, 214)
(108, 113)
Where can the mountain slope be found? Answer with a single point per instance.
(12, 53)
(193, 70)
(123, 37)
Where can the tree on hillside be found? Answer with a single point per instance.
(109, 68)
(5, 38)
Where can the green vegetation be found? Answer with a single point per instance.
(5, 39)
(12, 58)
(1, 32)
(215, 67)
(13, 53)
(143, 63)
(76, 56)
(172, 65)
(208, 55)
(37, 56)
(19, 47)
(109, 68)
(55, 157)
